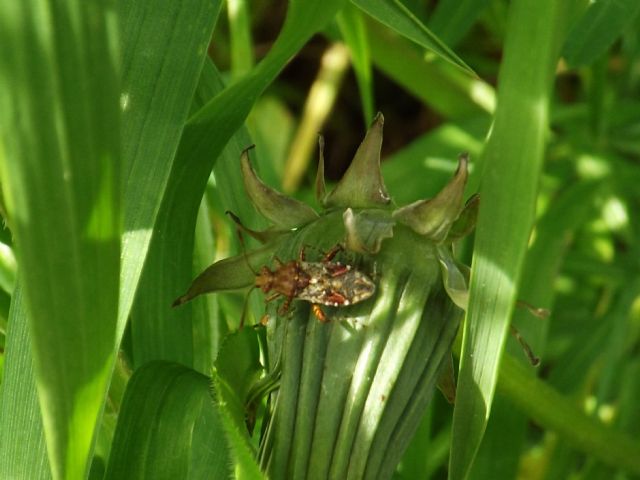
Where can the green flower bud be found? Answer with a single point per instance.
(354, 386)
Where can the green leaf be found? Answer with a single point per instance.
(164, 47)
(24, 454)
(399, 18)
(168, 427)
(600, 26)
(506, 430)
(61, 177)
(512, 163)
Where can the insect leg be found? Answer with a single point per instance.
(284, 308)
(332, 253)
(317, 311)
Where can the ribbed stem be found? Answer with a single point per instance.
(353, 390)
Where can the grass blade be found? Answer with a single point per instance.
(512, 164)
(354, 33)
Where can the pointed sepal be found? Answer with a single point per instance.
(366, 230)
(284, 211)
(433, 218)
(362, 185)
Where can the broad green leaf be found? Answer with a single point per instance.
(512, 162)
(22, 444)
(421, 168)
(602, 23)
(399, 18)
(168, 427)
(60, 166)
(166, 43)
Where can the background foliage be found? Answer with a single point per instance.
(120, 132)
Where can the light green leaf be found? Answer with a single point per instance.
(164, 47)
(237, 369)
(61, 177)
(512, 163)
(555, 412)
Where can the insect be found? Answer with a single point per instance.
(320, 283)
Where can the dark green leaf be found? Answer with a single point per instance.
(168, 427)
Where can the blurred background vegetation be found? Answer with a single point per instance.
(582, 260)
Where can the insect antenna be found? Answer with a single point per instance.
(239, 229)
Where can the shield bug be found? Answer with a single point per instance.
(319, 283)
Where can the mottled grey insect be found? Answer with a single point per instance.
(320, 283)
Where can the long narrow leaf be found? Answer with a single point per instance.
(512, 164)
(61, 177)
(164, 46)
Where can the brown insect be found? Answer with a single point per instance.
(320, 283)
